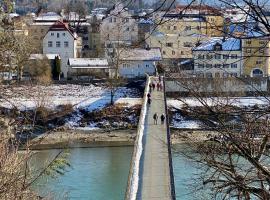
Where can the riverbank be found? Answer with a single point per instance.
(74, 138)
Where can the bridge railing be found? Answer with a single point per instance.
(133, 178)
(169, 144)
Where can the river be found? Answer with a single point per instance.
(101, 174)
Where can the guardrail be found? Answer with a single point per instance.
(172, 188)
(133, 178)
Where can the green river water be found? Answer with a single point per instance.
(101, 174)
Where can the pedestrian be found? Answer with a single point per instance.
(159, 78)
(150, 87)
(149, 95)
(162, 118)
(153, 85)
(149, 100)
(155, 117)
(158, 86)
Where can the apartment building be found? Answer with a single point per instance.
(218, 58)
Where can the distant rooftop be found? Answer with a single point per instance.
(43, 56)
(137, 54)
(229, 44)
(49, 16)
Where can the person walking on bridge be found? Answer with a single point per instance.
(162, 118)
(155, 117)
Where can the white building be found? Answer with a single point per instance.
(137, 62)
(61, 40)
(218, 58)
(88, 67)
(119, 25)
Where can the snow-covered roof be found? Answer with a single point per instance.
(42, 56)
(152, 54)
(229, 44)
(49, 16)
(88, 63)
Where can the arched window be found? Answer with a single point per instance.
(257, 73)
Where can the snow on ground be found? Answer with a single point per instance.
(234, 101)
(90, 97)
(179, 121)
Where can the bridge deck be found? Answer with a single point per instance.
(155, 171)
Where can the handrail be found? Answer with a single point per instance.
(133, 177)
(169, 144)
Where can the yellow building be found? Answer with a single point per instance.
(174, 46)
(255, 51)
(196, 20)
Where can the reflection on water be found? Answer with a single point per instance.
(96, 173)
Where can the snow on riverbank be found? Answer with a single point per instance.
(233, 101)
(80, 96)
(181, 122)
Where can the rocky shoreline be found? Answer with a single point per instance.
(74, 138)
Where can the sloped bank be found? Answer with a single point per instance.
(75, 138)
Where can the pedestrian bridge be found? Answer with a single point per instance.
(151, 173)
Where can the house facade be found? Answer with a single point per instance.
(80, 68)
(135, 63)
(218, 58)
(61, 40)
(256, 56)
(119, 25)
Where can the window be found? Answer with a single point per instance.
(261, 50)
(52, 34)
(208, 65)
(58, 44)
(217, 65)
(233, 56)
(257, 73)
(50, 43)
(225, 56)
(233, 74)
(217, 56)
(58, 35)
(200, 56)
(198, 28)
(209, 75)
(146, 65)
(182, 52)
(164, 52)
(248, 50)
(188, 28)
(127, 29)
(66, 44)
(248, 41)
(258, 62)
(174, 27)
(169, 44)
(200, 65)
(139, 66)
(110, 20)
(125, 65)
(64, 34)
(217, 75)
(261, 42)
(173, 52)
(234, 65)
(114, 19)
(208, 56)
(187, 44)
(226, 65)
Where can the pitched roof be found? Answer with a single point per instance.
(60, 26)
(137, 54)
(88, 63)
(229, 44)
(202, 9)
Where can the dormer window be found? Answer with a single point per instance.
(217, 47)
